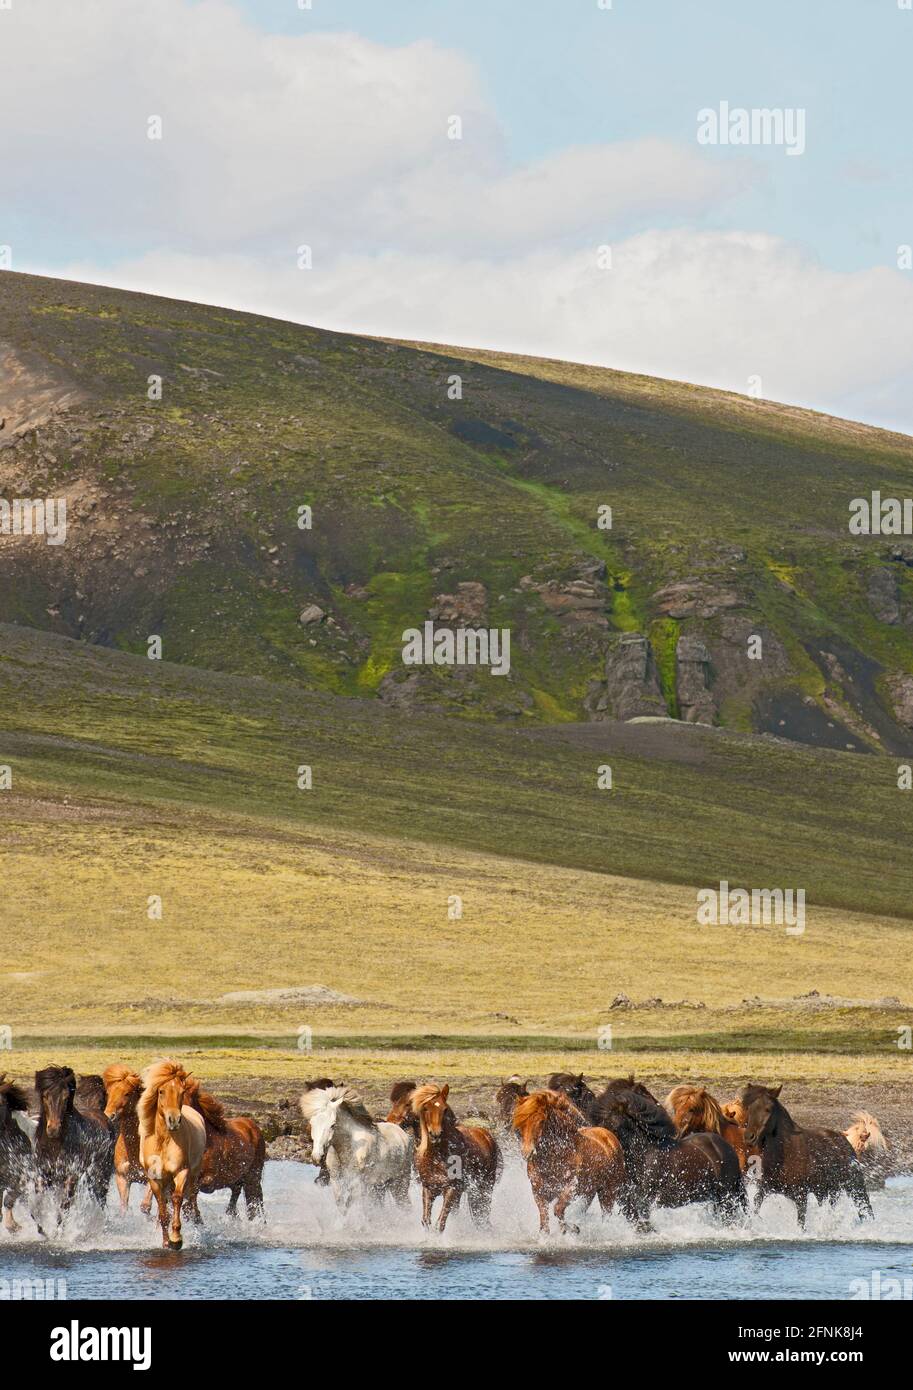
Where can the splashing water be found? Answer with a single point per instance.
(307, 1248)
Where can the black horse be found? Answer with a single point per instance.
(15, 1150)
(71, 1143)
(574, 1086)
(800, 1163)
(663, 1170)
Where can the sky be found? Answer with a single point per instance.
(578, 215)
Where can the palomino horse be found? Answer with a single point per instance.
(870, 1147)
(172, 1139)
(363, 1156)
(234, 1155)
(664, 1170)
(566, 1158)
(451, 1159)
(15, 1149)
(695, 1111)
(69, 1143)
(123, 1088)
(800, 1163)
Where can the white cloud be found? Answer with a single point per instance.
(330, 139)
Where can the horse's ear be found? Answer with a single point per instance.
(775, 1090)
(580, 1078)
(445, 1092)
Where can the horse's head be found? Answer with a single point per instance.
(734, 1110)
(430, 1108)
(401, 1106)
(122, 1088)
(763, 1112)
(694, 1110)
(320, 1108)
(166, 1084)
(12, 1097)
(56, 1087)
(574, 1087)
(507, 1095)
(546, 1122)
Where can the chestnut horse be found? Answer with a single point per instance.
(506, 1097)
(15, 1149)
(70, 1144)
(664, 1170)
(401, 1107)
(123, 1088)
(172, 1140)
(870, 1147)
(566, 1158)
(800, 1163)
(695, 1111)
(451, 1159)
(234, 1155)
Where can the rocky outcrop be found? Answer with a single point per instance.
(693, 677)
(631, 687)
(694, 598)
(899, 686)
(882, 596)
(579, 601)
(466, 608)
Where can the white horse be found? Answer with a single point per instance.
(362, 1155)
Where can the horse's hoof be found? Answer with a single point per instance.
(175, 1244)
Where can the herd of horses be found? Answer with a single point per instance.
(621, 1148)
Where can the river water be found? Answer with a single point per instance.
(306, 1249)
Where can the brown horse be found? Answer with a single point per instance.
(870, 1147)
(695, 1111)
(172, 1140)
(70, 1144)
(664, 1170)
(15, 1149)
(800, 1163)
(234, 1155)
(506, 1097)
(565, 1158)
(400, 1113)
(451, 1159)
(574, 1086)
(123, 1088)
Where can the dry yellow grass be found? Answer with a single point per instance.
(538, 951)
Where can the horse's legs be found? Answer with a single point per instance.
(158, 1190)
(232, 1208)
(253, 1195)
(427, 1204)
(451, 1199)
(801, 1201)
(9, 1201)
(861, 1198)
(145, 1205)
(181, 1181)
(479, 1199)
(561, 1206)
(123, 1190)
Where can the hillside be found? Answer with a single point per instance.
(729, 519)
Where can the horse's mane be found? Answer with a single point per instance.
(212, 1110)
(314, 1101)
(876, 1139)
(638, 1112)
(535, 1113)
(627, 1083)
(400, 1091)
(711, 1115)
(156, 1075)
(50, 1078)
(14, 1095)
(117, 1074)
(734, 1110)
(320, 1083)
(90, 1092)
